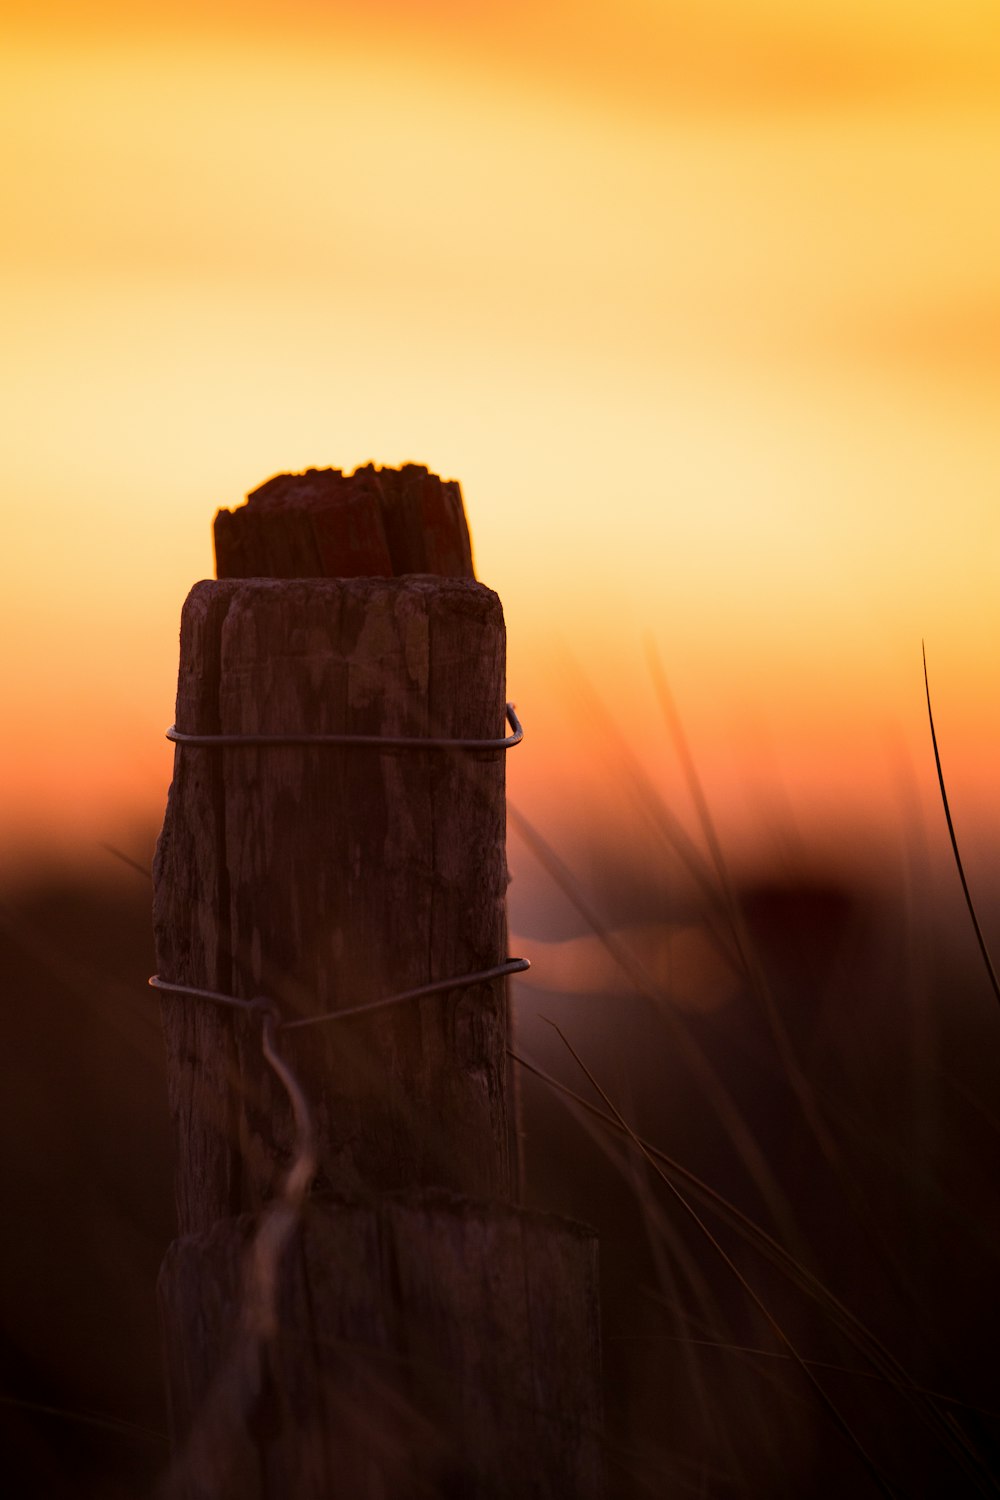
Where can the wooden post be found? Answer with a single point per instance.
(328, 877)
(432, 1338)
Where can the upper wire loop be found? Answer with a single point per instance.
(380, 741)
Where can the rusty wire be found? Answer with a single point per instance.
(282, 1215)
(372, 741)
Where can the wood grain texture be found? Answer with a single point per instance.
(328, 877)
(429, 1346)
(326, 524)
(430, 1343)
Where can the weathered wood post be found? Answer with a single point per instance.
(334, 837)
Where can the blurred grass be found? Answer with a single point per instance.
(840, 1051)
(837, 1133)
(85, 1177)
(830, 1329)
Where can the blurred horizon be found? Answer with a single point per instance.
(700, 305)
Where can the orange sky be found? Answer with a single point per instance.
(701, 303)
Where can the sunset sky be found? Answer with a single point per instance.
(699, 302)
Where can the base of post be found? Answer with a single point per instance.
(426, 1345)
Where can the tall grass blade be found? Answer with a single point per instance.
(760, 987)
(954, 841)
(126, 859)
(688, 1048)
(89, 1419)
(885, 1365)
(829, 1405)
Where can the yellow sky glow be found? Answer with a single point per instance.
(701, 305)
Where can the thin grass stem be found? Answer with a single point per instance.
(878, 1478)
(694, 1056)
(858, 1335)
(954, 841)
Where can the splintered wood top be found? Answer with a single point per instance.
(374, 523)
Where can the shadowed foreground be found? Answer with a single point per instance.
(840, 1097)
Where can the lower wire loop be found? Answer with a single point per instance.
(285, 1210)
(265, 1003)
(283, 1214)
